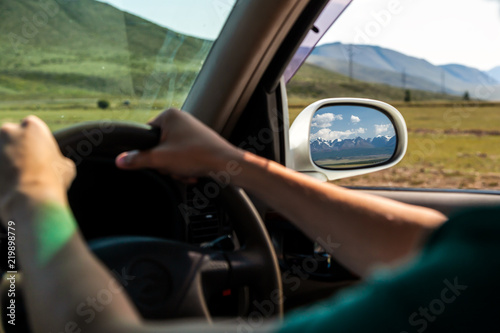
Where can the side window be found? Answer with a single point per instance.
(439, 64)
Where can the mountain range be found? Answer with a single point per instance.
(381, 65)
(91, 48)
(321, 145)
(495, 73)
(352, 148)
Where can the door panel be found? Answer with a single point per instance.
(447, 202)
(300, 291)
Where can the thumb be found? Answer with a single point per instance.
(134, 159)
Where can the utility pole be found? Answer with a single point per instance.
(403, 79)
(443, 82)
(406, 93)
(350, 53)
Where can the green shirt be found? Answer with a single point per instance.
(452, 286)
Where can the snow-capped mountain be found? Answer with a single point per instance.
(320, 145)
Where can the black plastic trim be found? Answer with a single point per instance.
(291, 44)
(429, 190)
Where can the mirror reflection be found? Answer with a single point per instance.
(351, 136)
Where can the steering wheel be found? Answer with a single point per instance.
(172, 279)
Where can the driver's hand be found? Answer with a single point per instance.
(31, 163)
(187, 150)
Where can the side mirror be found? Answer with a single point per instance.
(344, 137)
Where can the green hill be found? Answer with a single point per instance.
(89, 48)
(86, 48)
(313, 83)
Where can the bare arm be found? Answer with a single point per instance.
(32, 193)
(61, 277)
(366, 230)
(63, 283)
(65, 287)
(370, 230)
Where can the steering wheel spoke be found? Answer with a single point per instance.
(165, 279)
(246, 267)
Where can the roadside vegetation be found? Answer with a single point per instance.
(453, 142)
(112, 65)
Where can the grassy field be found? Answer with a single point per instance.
(63, 113)
(91, 49)
(104, 53)
(108, 54)
(451, 145)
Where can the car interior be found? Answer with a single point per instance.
(231, 250)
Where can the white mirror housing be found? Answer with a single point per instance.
(300, 136)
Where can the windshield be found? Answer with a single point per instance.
(77, 60)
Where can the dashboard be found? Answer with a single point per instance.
(110, 202)
(107, 201)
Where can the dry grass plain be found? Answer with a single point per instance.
(452, 145)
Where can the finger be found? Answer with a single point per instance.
(155, 122)
(135, 160)
(36, 126)
(9, 127)
(7, 130)
(158, 121)
(33, 120)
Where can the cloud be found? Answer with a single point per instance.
(355, 119)
(325, 120)
(380, 129)
(327, 134)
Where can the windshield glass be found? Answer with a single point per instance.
(69, 61)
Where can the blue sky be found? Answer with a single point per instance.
(349, 122)
(441, 31)
(204, 22)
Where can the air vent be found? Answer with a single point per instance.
(204, 223)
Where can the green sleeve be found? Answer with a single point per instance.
(452, 286)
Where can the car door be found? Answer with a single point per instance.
(432, 62)
(239, 91)
(446, 94)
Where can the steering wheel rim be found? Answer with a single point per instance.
(254, 264)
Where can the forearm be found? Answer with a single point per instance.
(369, 230)
(61, 278)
